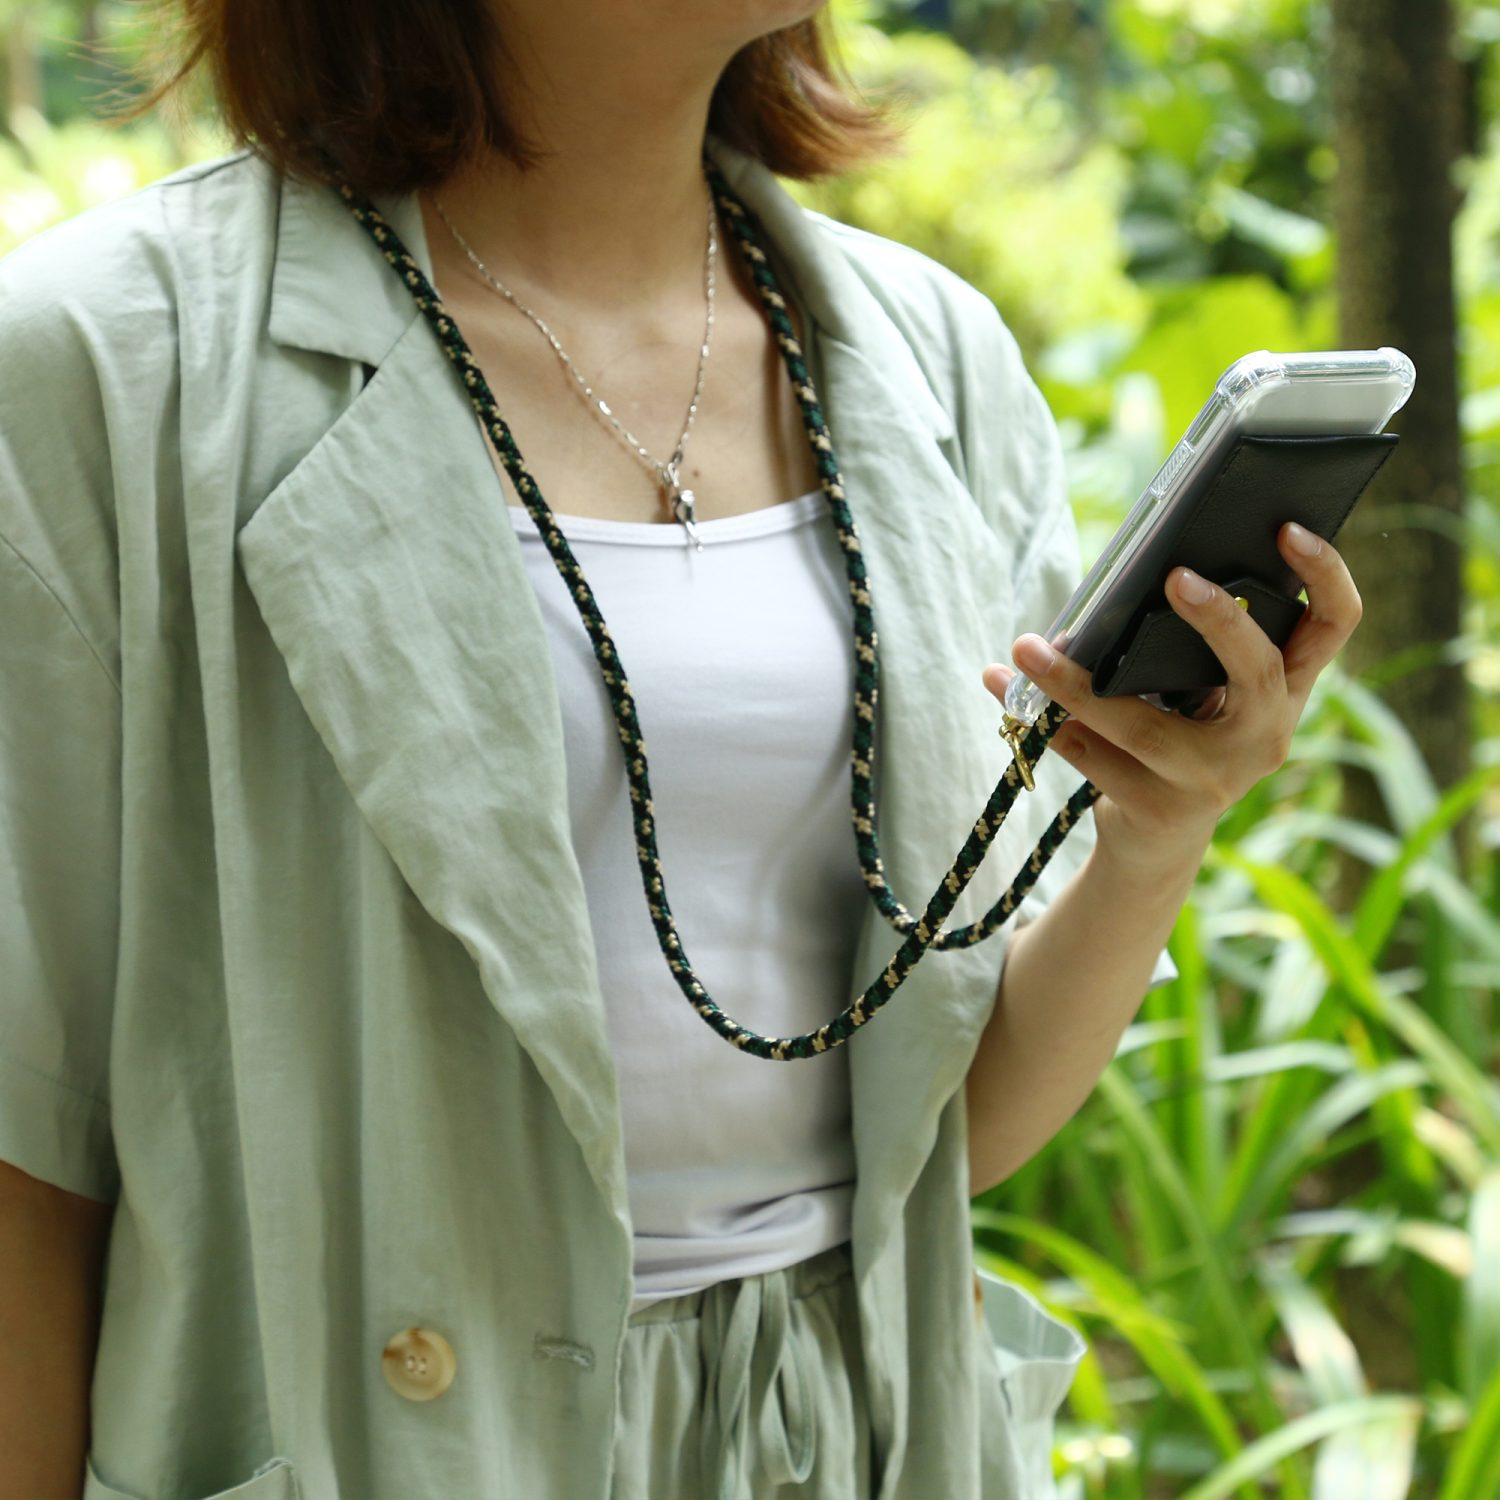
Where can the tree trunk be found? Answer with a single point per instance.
(1397, 91)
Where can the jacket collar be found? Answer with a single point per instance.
(330, 291)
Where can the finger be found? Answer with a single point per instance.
(997, 677)
(1333, 608)
(1118, 775)
(1158, 739)
(1249, 656)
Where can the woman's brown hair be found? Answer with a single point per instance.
(403, 92)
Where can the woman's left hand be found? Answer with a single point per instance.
(1166, 779)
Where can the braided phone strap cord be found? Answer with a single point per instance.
(922, 932)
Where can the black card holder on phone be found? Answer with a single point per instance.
(1229, 537)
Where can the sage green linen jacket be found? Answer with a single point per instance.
(297, 964)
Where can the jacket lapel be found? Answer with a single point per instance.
(392, 582)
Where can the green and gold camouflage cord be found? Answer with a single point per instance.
(1027, 744)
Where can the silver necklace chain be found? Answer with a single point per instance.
(680, 500)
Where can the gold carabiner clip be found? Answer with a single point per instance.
(1012, 731)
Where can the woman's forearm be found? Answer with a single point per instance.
(1071, 983)
(1074, 977)
(52, 1253)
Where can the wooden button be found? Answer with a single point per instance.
(419, 1364)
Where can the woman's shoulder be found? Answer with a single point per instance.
(91, 326)
(90, 306)
(116, 262)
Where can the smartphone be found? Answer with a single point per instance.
(1286, 395)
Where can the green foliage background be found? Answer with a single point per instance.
(1278, 1218)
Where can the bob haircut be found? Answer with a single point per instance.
(402, 94)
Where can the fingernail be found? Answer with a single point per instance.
(1194, 589)
(1302, 539)
(1034, 655)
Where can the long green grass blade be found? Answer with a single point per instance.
(1450, 1069)
(1473, 1471)
(1381, 902)
(1480, 1339)
(1324, 1352)
(1260, 1456)
(1373, 1460)
(1406, 783)
(1219, 1282)
(1345, 1101)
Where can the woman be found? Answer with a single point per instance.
(333, 997)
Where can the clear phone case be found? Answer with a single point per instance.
(1335, 391)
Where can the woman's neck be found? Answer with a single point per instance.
(616, 207)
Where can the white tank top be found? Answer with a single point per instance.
(740, 662)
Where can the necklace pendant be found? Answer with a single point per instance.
(683, 509)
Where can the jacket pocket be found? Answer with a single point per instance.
(1035, 1358)
(274, 1480)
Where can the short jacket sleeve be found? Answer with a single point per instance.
(60, 760)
